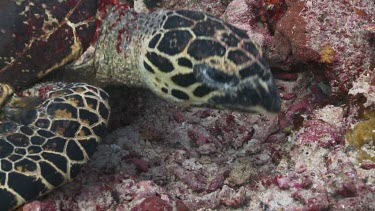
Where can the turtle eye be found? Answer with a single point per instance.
(213, 77)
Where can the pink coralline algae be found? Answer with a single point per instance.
(290, 37)
(325, 133)
(329, 37)
(108, 192)
(157, 204)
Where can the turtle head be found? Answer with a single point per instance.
(197, 59)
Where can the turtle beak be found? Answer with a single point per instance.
(254, 96)
(260, 97)
(270, 99)
(254, 93)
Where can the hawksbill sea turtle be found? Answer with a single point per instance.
(49, 131)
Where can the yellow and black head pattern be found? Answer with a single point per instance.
(196, 59)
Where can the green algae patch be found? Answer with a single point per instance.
(362, 136)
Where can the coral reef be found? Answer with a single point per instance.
(361, 133)
(329, 37)
(318, 153)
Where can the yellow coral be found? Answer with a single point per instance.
(327, 54)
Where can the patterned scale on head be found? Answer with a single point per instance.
(49, 131)
(187, 57)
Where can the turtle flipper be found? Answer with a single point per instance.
(50, 140)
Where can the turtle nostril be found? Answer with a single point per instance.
(213, 77)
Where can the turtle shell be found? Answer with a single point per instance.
(37, 37)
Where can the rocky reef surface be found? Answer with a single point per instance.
(318, 153)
